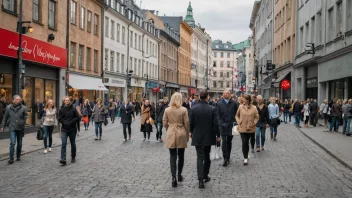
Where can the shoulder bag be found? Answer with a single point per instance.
(151, 121)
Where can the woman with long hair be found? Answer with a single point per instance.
(247, 117)
(99, 113)
(49, 123)
(306, 113)
(287, 116)
(147, 113)
(86, 113)
(112, 110)
(176, 122)
(262, 123)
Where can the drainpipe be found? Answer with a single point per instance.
(67, 44)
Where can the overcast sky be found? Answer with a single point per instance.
(227, 20)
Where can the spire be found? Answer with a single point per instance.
(189, 17)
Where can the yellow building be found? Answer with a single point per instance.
(185, 54)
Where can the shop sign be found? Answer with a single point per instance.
(114, 82)
(33, 50)
(313, 82)
(151, 84)
(336, 68)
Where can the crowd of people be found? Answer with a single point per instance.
(206, 121)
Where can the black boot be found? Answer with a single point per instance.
(275, 137)
(180, 178)
(201, 184)
(174, 182)
(225, 162)
(271, 136)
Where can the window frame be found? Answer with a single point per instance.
(14, 11)
(96, 25)
(80, 56)
(88, 59)
(89, 22)
(82, 18)
(54, 15)
(38, 6)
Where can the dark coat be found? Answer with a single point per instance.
(263, 116)
(68, 117)
(186, 105)
(226, 116)
(297, 107)
(203, 124)
(336, 110)
(313, 108)
(126, 114)
(160, 113)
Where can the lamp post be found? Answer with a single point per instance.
(128, 77)
(146, 83)
(20, 70)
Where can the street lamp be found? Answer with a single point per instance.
(146, 91)
(128, 77)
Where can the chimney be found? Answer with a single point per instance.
(157, 13)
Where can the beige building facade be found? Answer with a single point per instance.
(185, 54)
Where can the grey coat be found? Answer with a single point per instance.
(99, 113)
(17, 117)
(347, 110)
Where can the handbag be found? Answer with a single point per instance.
(235, 130)
(151, 121)
(106, 122)
(40, 134)
(215, 153)
(85, 119)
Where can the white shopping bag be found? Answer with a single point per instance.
(235, 131)
(215, 153)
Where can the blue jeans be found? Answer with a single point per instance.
(98, 128)
(48, 133)
(260, 133)
(286, 116)
(334, 123)
(346, 125)
(13, 135)
(72, 136)
(273, 129)
(297, 118)
(159, 130)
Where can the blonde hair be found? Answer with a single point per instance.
(47, 104)
(176, 100)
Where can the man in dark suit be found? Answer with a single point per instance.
(226, 111)
(126, 112)
(195, 101)
(205, 132)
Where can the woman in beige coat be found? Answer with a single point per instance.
(176, 122)
(247, 117)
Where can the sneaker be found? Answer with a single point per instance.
(73, 160)
(99, 137)
(143, 139)
(18, 159)
(258, 149)
(124, 140)
(50, 150)
(96, 138)
(46, 150)
(161, 140)
(262, 148)
(10, 161)
(245, 162)
(252, 150)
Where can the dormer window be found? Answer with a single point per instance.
(217, 46)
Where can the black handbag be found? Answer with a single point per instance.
(40, 134)
(106, 122)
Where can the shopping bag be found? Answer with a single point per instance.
(235, 130)
(40, 134)
(215, 153)
(85, 119)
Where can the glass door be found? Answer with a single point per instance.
(27, 97)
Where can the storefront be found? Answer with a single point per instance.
(335, 78)
(152, 95)
(84, 87)
(44, 64)
(184, 91)
(279, 92)
(136, 90)
(171, 88)
(116, 87)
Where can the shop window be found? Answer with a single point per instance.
(50, 90)
(6, 88)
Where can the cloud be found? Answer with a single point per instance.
(223, 19)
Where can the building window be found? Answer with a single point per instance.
(312, 33)
(112, 59)
(96, 61)
(89, 57)
(222, 55)
(228, 64)
(118, 32)
(106, 27)
(214, 74)
(135, 40)
(221, 63)
(302, 40)
(228, 84)
(82, 18)
(73, 12)
(221, 84)
(135, 66)
(214, 63)
(72, 54)
(139, 43)
(221, 74)
(215, 54)
(228, 55)
(89, 21)
(52, 7)
(228, 74)
(122, 63)
(117, 62)
(96, 22)
(139, 72)
(80, 56)
(131, 38)
(123, 35)
(330, 25)
(147, 46)
(349, 15)
(339, 20)
(113, 30)
(9, 5)
(214, 84)
(106, 67)
(35, 13)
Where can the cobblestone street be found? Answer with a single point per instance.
(291, 167)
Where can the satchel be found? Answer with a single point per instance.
(151, 121)
(235, 130)
(106, 122)
(40, 134)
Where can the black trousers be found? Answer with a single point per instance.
(226, 146)
(245, 143)
(126, 125)
(173, 158)
(312, 119)
(203, 161)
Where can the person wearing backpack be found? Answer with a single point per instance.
(16, 114)
(49, 123)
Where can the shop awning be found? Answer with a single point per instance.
(280, 78)
(171, 85)
(86, 82)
